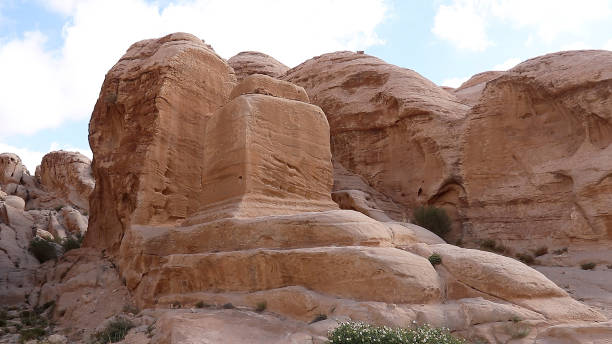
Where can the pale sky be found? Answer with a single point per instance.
(54, 53)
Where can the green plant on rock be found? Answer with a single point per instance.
(357, 333)
(261, 306)
(525, 258)
(432, 218)
(31, 333)
(588, 266)
(435, 259)
(42, 249)
(72, 242)
(114, 332)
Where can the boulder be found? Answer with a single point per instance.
(68, 176)
(15, 202)
(251, 62)
(146, 134)
(11, 169)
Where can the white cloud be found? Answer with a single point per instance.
(454, 82)
(464, 22)
(41, 88)
(576, 46)
(509, 63)
(608, 45)
(462, 25)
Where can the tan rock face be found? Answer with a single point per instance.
(251, 62)
(11, 169)
(68, 176)
(537, 148)
(263, 156)
(146, 133)
(263, 84)
(389, 125)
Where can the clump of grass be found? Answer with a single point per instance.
(435, 259)
(201, 304)
(228, 306)
(42, 249)
(319, 317)
(588, 266)
(432, 218)
(540, 251)
(130, 308)
(525, 258)
(31, 333)
(516, 330)
(560, 251)
(492, 246)
(59, 207)
(357, 332)
(72, 242)
(261, 306)
(114, 332)
(31, 318)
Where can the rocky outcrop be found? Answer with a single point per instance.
(146, 133)
(536, 167)
(252, 62)
(389, 125)
(68, 176)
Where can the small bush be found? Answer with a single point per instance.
(588, 266)
(72, 242)
(560, 251)
(201, 304)
(228, 306)
(58, 208)
(42, 249)
(114, 332)
(31, 333)
(356, 332)
(540, 251)
(31, 318)
(261, 306)
(525, 258)
(435, 259)
(433, 218)
(129, 308)
(492, 246)
(318, 318)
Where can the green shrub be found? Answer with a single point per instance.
(357, 333)
(560, 251)
(42, 249)
(540, 251)
(201, 304)
(525, 258)
(435, 259)
(433, 218)
(31, 318)
(72, 242)
(261, 306)
(114, 332)
(588, 266)
(228, 306)
(492, 246)
(319, 317)
(31, 333)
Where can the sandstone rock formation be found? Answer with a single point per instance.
(251, 62)
(216, 193)
(536, 166)
(389, 125)
(68, 176)
(146, 133)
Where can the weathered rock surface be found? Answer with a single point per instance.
(68, 176)
(389, 125)
(263, 84)
(251, 62)
(146, 133)
(536, 166)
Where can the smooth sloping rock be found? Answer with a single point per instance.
(537, 147)
(470, 91)
(389, 125)
(146, 134)
(251, 62)
(68, 176)
(265, 155)
(263, 84)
